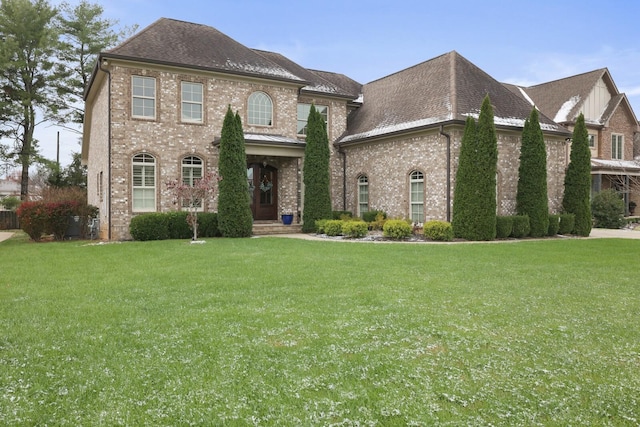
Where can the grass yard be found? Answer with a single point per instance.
(274, 331)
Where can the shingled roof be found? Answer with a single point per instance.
(184, 44)
(444, 89)
(321, 82)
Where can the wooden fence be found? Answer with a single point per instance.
(9, 220)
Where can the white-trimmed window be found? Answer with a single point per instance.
(260, 111)
(143, 103)
(191, 102)
(617, 146)
(363, 194)
(100, 186)
(303, 116)
(592, 141)
(191, 172)
(144, 183)
(416, 196)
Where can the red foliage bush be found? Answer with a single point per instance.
(33, 219)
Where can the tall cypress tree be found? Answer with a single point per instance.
(532, 199)
(462, 220)
(577, 181)
(234, 209)
(317, 196)
(474, 208)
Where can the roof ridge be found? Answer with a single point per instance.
(600, 71)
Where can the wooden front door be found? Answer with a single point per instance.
(263, 191)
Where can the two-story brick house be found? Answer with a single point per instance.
(610, 121)
(155, 106)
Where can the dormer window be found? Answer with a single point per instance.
(260, 109)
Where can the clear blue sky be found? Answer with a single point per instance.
(522, 42)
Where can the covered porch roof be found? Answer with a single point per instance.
(271, 145)
(615, 167)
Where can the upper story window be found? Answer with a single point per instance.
(144, 183)
(363, 194)
(416, 196)
(191, 102)
(303, 116)
(617, 146)
(143, 103)
(260, 109)
(592, 141)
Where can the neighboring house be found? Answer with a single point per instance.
(8, 188)
(611, 123)
(156, 103)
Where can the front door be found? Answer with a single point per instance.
(263, 191)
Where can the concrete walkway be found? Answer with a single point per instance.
(4, 235)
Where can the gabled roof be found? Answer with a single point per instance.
(320, 82)
(444, 89)
(184, 44)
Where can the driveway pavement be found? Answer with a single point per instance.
(4, 235)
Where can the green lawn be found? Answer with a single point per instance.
(275, 331)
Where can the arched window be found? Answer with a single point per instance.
(191, 172)
(144, 183)
(416, 196)
(260, 111)
(363, 194)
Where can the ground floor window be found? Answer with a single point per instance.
(416, 196)
(191, 173)
(144, 183)
(363, 195)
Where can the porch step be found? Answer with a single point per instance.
(266, 228)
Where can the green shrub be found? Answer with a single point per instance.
(333, 227)
(320, 224)
(208, 224)
(440, 231)
(378, 221)
(397, 229)
(177, 225)
(10, 203)
(341, 215)
(567, 222)
(521, 227)
(607, 208)
(149, 226)
(355, 229)
(554, 224)
(33, 219)
(370, 216)
(504, 226)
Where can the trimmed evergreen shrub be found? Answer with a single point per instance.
(577, 181)
(554, 225)
(504, 226)
(177, 225)
(341, 215)
(440, 231)
(234, 209)
(521, 227)
(397, 229)
(333, 227)
(317, 195)
(378, 221)
(149, 226)
(567, 223)
(474, 203)
(208, 224)
(371, 216)
(320, 224)
(607, 208)
(531, 198)
(355, 229)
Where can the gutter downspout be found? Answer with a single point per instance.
(442, 132)
(104, 62)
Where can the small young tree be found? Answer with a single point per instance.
(194, 197)
(531, 198)
(317, 195)
(234, 208)
(577, 181)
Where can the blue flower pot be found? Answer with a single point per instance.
(287, 219)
